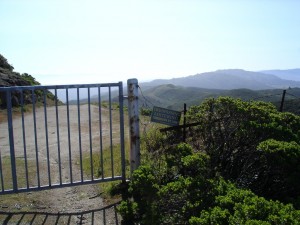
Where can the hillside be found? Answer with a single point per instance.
(230, 79)
(292, 74)
(173, 97)
(9, 78)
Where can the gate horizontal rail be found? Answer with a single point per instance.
(60, 135)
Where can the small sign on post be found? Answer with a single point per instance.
(165, 116)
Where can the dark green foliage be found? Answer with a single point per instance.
(144, 190)
(291, 105)
(230, 131)
(239, 161)
(145, 112)
(169, 195)
(128, 210)
(30, 79)
(174, 97)
(192, 196)
(9, 78)
(281, 177)
(39, 93)
(237, 206)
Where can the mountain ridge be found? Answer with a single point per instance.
(174, 97)
(229, 79)
(289, 74)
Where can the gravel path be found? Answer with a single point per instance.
(69, 199)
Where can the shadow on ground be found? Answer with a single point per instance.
(96, 216)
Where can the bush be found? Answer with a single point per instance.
(230, 132)
(238, 206)
(194, 198)
(282, 160)
(239, 161)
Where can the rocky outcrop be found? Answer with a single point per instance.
(9, 78)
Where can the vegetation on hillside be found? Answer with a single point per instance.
(240, 165)
(30, 79)
(174, 97)
(10, 78)
(4, 63)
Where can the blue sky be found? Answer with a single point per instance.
(95, 41)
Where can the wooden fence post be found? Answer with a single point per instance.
(184, 122)
(282, 101)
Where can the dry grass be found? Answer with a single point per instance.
(6, 172)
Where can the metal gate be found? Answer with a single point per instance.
(58, 136)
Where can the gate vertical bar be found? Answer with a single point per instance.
(11, 140)
(58, 136)
(90, 134)
(79, 134)
(47, 137)
(122, 131)
(69, 135)
(1, 174)
(100, 132)
(133, 113)
(34, 98)
(24, 140)
(111, 134)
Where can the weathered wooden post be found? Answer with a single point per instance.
(133, 113)
(282, 101)
(184, 122)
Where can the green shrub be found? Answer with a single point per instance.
(237, 163)
(230, 131)
(281, 177)
(238, 206)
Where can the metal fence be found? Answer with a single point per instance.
(58, 136)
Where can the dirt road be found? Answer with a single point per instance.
(56, 141)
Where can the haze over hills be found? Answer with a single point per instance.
(230, 79)
(173, 97)
(173, 93)
(292, 74)
(237, 83)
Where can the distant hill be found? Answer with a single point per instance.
(290, 105)
(174, 97)
(192, 90)
(292, 74)
(229, 79)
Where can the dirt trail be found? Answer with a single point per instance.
(68, 199)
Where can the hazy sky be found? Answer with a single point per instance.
(95, 41)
